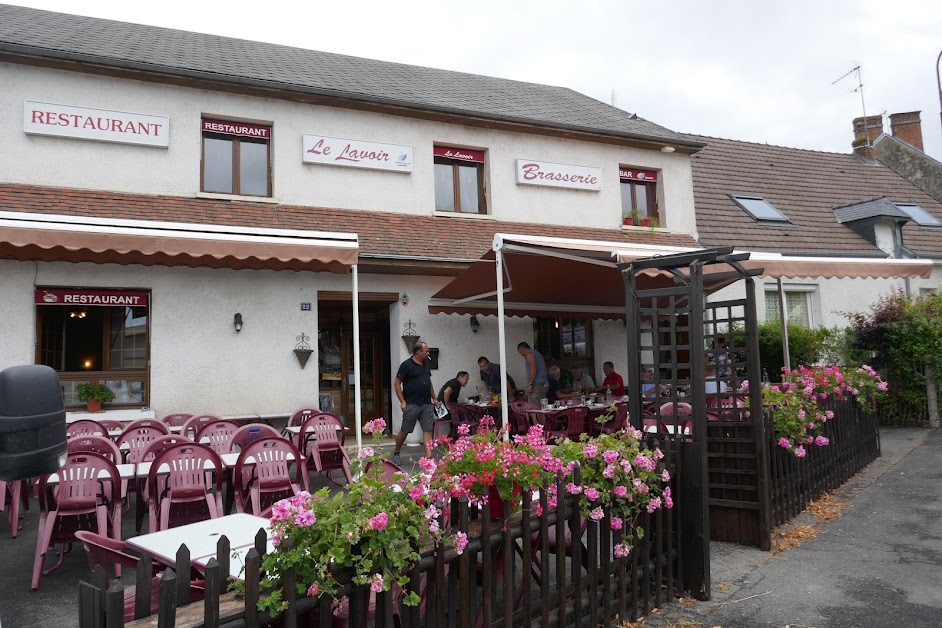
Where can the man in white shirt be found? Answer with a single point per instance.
(581, 380)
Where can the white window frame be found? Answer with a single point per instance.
(808, 290)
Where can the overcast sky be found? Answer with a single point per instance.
(748, 70)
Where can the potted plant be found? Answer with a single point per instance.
(634, 217)
(94, 395)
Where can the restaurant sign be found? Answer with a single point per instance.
(558, 175)
(41, 118)
(335, 151)
(79, 296)
(632, 174)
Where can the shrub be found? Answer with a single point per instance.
(805, 346)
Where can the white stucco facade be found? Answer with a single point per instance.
(175, 170)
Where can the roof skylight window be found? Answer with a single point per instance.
(760, 209)
(919, 215)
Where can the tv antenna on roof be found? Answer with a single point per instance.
(859, 88)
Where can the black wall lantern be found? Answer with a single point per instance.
(237, 322)
(475, 325)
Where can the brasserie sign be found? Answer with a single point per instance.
(531, 172)
(103, 125)
(336, 151)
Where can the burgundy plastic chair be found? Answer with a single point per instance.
(154, 448)
(185, 487)
(268, 475)
(112, 426)
(248, 434)
(219, 434)
(12, 495)
(518, 415)
(195, 423)
(85, 427)
(138, 435)
(80, 498)
(683, 409)
(617, 423)
(321, 440)
(107, 552)
(460, 416)
(561, 425)
(176, 420)
(392, 472)
(300, 416)
(101, 445)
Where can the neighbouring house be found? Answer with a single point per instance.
(179, 212)
(799, 202)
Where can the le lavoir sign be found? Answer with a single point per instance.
(336, 151)
(42, 118)
(531, 172)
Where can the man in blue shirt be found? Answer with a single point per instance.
(537, 382)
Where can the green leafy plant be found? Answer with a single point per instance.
(372, 528)
(94, 392)
(804, 345)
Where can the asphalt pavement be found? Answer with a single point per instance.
(878, 564)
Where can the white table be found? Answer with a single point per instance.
(200, 538)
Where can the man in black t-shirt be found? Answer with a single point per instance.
(449, 392)
(416, 395)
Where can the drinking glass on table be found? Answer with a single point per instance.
(544, 403)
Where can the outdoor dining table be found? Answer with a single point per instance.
(200, 538)
(237, 557)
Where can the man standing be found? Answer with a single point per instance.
(536, 373)
(490, 374)
(581, 381)
(416, 395)
(449, 392)
(613, 381)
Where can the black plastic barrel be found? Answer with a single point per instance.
(32, 422)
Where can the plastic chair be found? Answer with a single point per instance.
(683, 409)
(460, 416)
(300, 416)
(80, 498)
(321, 439)
(518, 415)
(248, 434)
(138, 435)
(219, 434)
(106, 552)
(154, 448)
(269, 474)
(112, 425)
(176, 420)
(12, 495)
(85, 427)
(392, 472)
(101, 445)
(185, 486)
(561, 425)
(195, 423)
(617, 423)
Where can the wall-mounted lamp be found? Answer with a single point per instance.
(237, 322)
(475, 325)
(79, 314)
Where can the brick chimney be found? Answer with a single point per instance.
(907, 127)
(869, 129)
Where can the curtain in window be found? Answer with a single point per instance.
(797, 309)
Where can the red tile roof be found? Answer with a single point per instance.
(804, 185)
(379, 232)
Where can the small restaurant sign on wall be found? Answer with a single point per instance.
(335, 151)
(85, 123)
(80, 296)
(558, 175)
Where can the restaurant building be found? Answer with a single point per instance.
(186, 217)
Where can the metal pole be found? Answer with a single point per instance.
(501, 339)
(357, 399)
(784, 322)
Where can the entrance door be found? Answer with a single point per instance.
(335, 354)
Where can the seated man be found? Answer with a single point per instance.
(449, 392)
(711, 385)
(613, 381)
(581, 381)
(648, 387)
(554, 391)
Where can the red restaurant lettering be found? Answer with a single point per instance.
(96, 123)
(352, 154)
(325, 150)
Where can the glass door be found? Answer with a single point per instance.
(368, 376)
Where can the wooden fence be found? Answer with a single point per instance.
(508, 575)
(736, 513)
(854, 442)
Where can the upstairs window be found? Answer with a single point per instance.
(638, 192)
(236, 158)
(760, 209)
(459, 180)
(920, 216)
